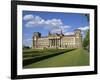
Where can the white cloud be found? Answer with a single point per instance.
(83, 28)
(50, 24)
(56, 31)
(27, 40)
(28, 17)
(65, 27)
(36, 21)
(61, 28)
(69, 33)
(54, 22)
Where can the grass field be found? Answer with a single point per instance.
(77, 57)
(34, 53)
(28, 54)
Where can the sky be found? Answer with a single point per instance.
(54, 22)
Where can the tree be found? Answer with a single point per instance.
(86, 40)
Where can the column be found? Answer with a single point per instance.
(53, 42)
(49, 42)
(60, 42)
(56, 42)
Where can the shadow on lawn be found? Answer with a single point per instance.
(36, 59)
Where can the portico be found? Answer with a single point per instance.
(54, 42)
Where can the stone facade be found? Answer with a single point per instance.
(56, 40)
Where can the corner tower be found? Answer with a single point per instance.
(78, 38)
(36, 35)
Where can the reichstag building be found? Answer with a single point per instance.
(55, 40)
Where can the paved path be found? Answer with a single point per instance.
(77, 57)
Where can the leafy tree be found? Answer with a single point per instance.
(86, 40)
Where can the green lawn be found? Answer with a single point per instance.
(78, 57)
(34, 53)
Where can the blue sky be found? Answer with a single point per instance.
(43, 22)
